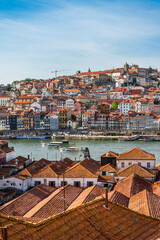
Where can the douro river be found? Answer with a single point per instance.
(37, 150)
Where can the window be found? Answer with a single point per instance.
(129, 164)
(122, 164)
(139, 163)
(45, 181)
(63, 183)
(103, 173)
(77, 184)
(37, 183)
(52, 183)
(89, 184)
(148, 165)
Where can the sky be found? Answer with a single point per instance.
(41, 36)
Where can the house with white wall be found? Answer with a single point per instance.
(70, 104)
(145, 173)
(136, 156)
(125, 106)
(80, 174)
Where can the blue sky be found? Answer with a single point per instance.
(39, 36)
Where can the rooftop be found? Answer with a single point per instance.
(136, 153)
(136, 169)
(133, 184)
(90, 221)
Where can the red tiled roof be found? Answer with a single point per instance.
(133, 184)
(110, 154)
(21, 205)
(146, 203)
(136, 153)
(90, 221)
(136, 169)
(119, 198)
(54, 204)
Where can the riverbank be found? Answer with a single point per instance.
(109, 138)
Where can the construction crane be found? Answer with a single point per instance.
(56, 71)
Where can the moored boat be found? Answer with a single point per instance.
(65, 141)
(56, 144)
(75, 149)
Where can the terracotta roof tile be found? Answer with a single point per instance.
(86, 168)
(118, 197)
(54, 204)
(91, 221)
(35, 167)
(110, 154)
(108, 168)
(136, 153)
(133, 184)
(88, 195)
(21, 205)
(136, 169)
(146, 203)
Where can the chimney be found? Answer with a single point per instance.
(106, 199)
(4, 233)
(28, 156)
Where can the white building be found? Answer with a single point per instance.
(54, 122)
(4, 100)
(141, 106)
(125, 106)
(36, 107)
(18, 182)
(70, 104)
(116, 94)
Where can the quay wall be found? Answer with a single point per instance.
(106, 135)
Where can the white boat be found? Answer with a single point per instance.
(55, 144)
(75, 149)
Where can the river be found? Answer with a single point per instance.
(35, 149)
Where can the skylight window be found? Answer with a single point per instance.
(118, 228)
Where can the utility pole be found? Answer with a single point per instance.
(64, 194)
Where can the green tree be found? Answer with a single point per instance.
(86, 105)
(114, 105)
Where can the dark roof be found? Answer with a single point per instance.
(19, 160)
(55, 202)
(21, 205)
(35, 167)
(118, 197)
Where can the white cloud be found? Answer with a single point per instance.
(76, 36)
